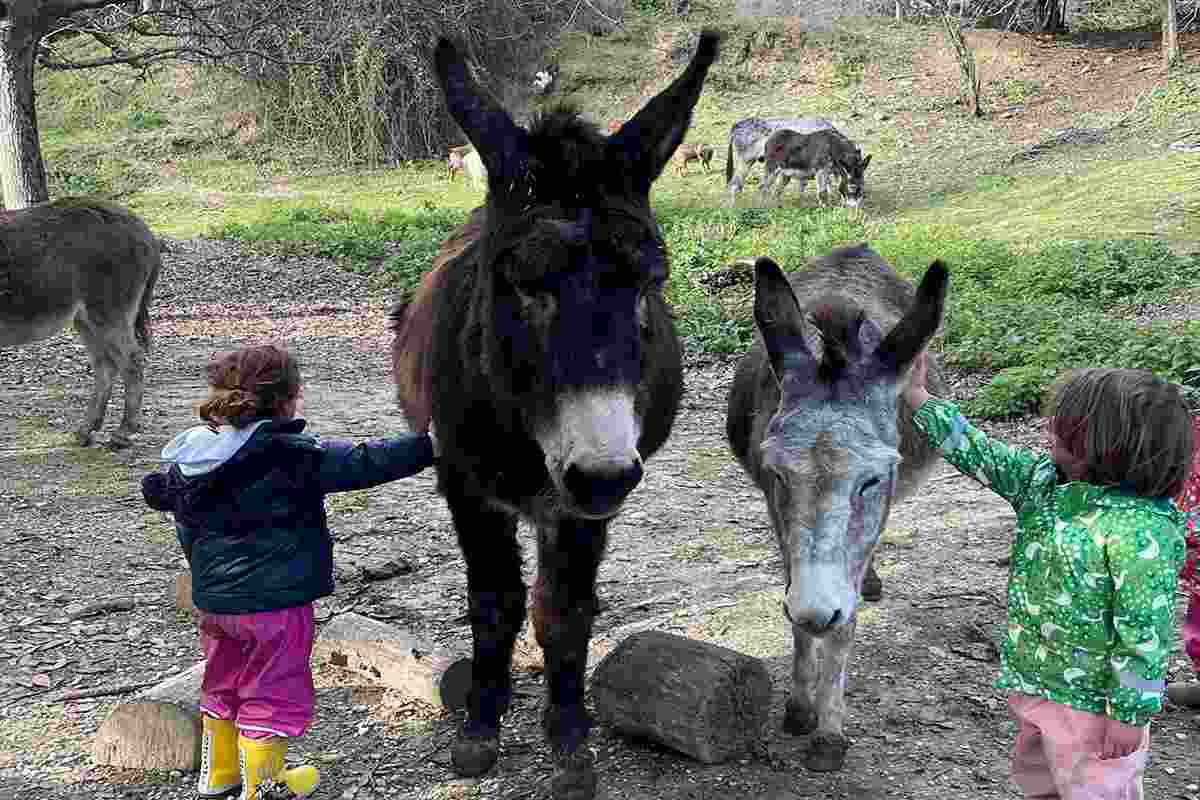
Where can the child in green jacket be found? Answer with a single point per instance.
(1091, 587)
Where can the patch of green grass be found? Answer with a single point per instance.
(1098, 199)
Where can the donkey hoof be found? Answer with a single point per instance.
(472, 756)
(799, 719)
(574, 776)
(872, 586)
(826, 752)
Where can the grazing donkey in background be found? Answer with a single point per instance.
(747, 139)
(544, 350)
(92, 263)
(815, 419)
(824, 154)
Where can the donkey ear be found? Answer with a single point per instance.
(645, 144)
(917, 327)
(779, 318)
(500, 141)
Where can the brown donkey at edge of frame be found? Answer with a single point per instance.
(92, 263)
(543, 348)
(816, 419)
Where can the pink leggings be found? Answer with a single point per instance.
(259, 672)
(1191, 632)
(1056, 754)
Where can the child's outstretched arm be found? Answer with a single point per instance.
(1008, 471)
(346, 466)
(1144, 557)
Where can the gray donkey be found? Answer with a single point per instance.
(816, 420)
(92, 263)
(825, 155)
(747, 138)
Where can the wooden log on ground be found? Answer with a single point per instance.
(391, 656)
(706, 701)
(157, 729)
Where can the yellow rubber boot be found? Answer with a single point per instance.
(263, 772)
(219, 771)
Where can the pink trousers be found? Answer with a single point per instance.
(1191, 632)
(259, 672)
(1056, 754)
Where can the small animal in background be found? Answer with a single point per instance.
(456, 160)
(614, 125)
(693, 152)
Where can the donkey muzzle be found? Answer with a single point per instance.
(599, 489)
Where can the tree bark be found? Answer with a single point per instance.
(158, 729)
(705, 701)
(1170, 35)
(22, 171)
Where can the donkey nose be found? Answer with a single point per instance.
(815, 622)
(601, 491)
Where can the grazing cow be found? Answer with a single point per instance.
(543, 348)
(825, 155)
(816, 419)
(747, 139)
(94, 264)
(693, 152)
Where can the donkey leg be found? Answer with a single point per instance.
(104, 371)
(497, 611)
(568, 557)
(827, 749)
(132, 361)
(800, 715)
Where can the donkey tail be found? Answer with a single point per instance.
(729, 161)
(141, 325)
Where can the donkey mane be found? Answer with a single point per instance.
(837, 321)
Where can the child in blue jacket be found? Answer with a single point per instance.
(247, 491)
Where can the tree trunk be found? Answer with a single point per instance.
(158, 729)
(1170, 35)
(22, 172)
(391, 656)
(705, 701)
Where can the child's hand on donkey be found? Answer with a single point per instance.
(915, 394)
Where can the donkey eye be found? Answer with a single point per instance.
(869, 484)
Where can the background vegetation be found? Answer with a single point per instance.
(1051, 257)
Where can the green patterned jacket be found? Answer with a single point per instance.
(1091, 587)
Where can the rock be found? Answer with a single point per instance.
(381, 571)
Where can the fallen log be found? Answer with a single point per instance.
(157, 729)
(388, 655)
(703, 700)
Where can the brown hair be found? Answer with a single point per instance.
(1129, 428)
(249, 384)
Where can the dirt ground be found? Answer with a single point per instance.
(692, 553)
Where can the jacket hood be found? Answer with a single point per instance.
(200, 450)
(208, 465)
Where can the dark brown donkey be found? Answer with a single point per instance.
(91, 263)
(816, 419)
(543, 349)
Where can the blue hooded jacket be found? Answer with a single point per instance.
(249, 507)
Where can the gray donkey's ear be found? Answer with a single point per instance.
(780, 321)
(917, 327)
